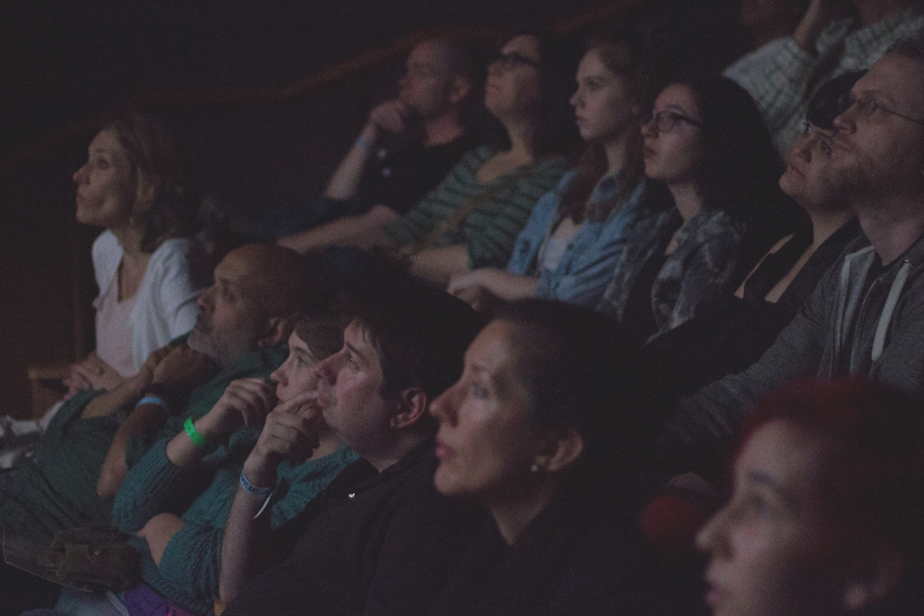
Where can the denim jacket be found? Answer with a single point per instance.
(589, 259)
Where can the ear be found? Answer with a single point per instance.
(412, 405)
(562, 449)
(461, 87)
(874, 579)
(148, 187)
(275, 331)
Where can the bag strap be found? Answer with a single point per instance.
(462, 212)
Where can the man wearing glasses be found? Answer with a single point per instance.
(866, 317)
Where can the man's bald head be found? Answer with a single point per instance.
(257, 288)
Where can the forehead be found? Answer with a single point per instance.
(105, 141)
(427, 53)
(296, 343)
(785, 458)
(591, 63)
(679, 97)
(899, 78)
(234, 268)
(526, 45)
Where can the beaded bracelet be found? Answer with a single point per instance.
(197, 439)
(253, 490)
(364, 143)
(155, 400)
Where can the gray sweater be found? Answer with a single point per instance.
(845, 327)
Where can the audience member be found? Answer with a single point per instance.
(379, 539)
(242, 319)
(783, 75)
(472, 217)
(527, 432)
(826, 513)
(180, 554)
(864, 316)
(407, 145)
(575, 234)
(705, 143)
(728, 334)
(148, 273)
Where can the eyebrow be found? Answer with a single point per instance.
(773, 485)
(352, 349)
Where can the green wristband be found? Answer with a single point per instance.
(197, 439)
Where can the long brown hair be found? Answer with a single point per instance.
(623, 52)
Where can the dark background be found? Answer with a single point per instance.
(64, 63)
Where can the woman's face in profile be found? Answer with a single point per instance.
(485, 443)
(512, 88)
(767, 546)
(603, 107)
(673, 139)
(809, 177)
(105, 188)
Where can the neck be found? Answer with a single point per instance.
(402, 444)
(520, 133)
(824, 224)
(616, 154)
(874, 12)
(442, 129)
(891, 227)
(129, 237)
(687, 199)
(516, 508)
(328, 443)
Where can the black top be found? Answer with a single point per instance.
(729, 334)
(371, 543)
(575, 558)
(401, 178)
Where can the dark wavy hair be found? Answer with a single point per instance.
(155, 161)
(553, 128)
(624, 52)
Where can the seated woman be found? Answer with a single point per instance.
(729, 334)
(825, 516)
(706, 144)
(574, 236)
(180, 554)
(472, 217)
(528, 432)
(148, 271)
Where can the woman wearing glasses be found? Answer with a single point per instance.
(705, 143)
(473, 216)
(575, 235)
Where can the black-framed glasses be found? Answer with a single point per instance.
(511, 60)
(867, 105)
(666, 121)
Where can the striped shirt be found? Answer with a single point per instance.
(488, 233)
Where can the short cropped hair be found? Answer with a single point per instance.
(420, 333)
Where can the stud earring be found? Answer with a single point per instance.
(534, 469)
(393, 423)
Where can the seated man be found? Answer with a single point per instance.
(408, 144)
(180, 554)
(783, 75)
(379, 539)
(243, 318)
(864, 317)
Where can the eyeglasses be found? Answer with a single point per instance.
(666, 121)
(868, 105)
(509, 61)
